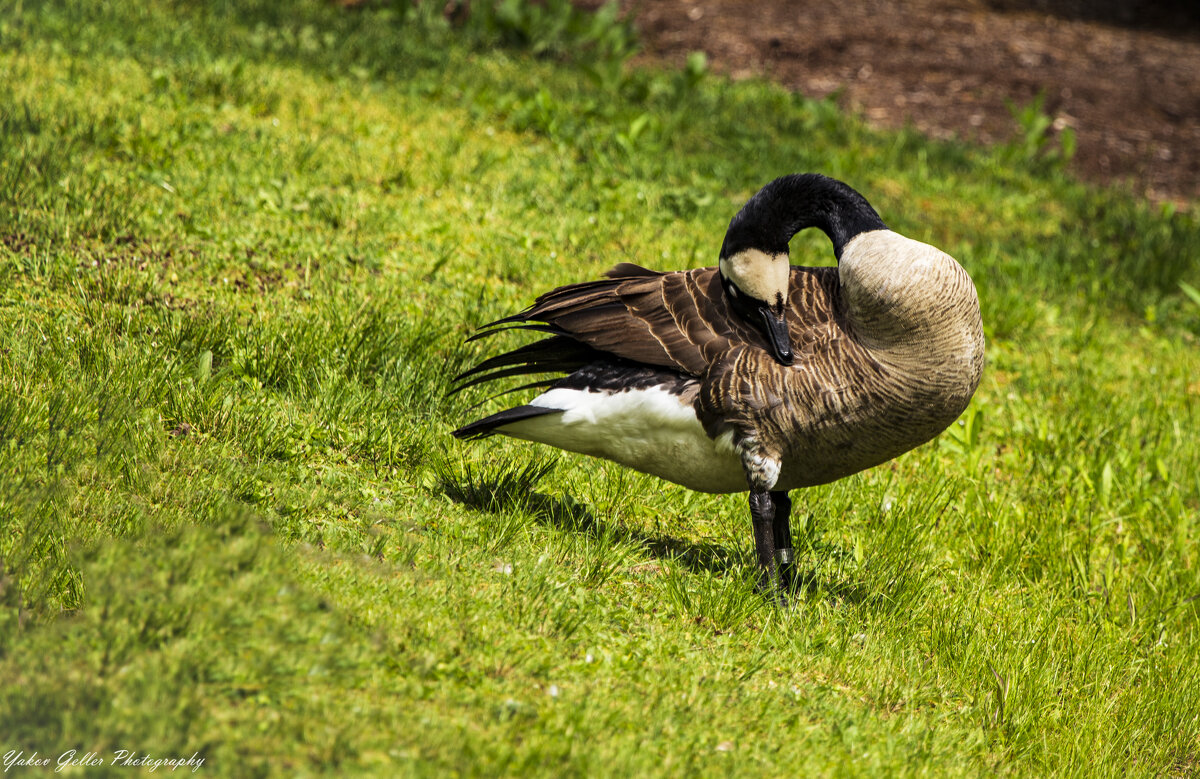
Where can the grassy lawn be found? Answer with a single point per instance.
(240, 247)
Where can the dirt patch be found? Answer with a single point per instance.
(1131, 95)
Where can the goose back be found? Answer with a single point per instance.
(881, 364)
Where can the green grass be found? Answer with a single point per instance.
(240, 247)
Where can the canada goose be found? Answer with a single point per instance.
(754, 375)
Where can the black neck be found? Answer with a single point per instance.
(793, 203)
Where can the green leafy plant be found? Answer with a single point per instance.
(554, 28)
(1192, 293)
(1035, 141)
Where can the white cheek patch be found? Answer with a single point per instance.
(760, 275)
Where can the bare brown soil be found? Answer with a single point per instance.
(1132, 95)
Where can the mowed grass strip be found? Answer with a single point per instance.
(240, 249)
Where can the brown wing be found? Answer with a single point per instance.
(671, 320)
(679, 321)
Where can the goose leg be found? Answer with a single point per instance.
(783, 539)
(762, 514)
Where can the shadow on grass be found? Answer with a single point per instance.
(511, 488)
(508, 486)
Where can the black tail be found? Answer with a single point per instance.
(557, 354)
(487, 426)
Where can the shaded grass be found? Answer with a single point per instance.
(240, 248)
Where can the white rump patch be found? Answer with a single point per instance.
(649, 430)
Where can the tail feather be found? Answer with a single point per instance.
(627, 270)
(517, 370)
(498, 327)
(585, 323)
(557, 354)
(542, 384)
(488, 425)
(555, 350)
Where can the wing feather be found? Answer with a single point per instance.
(678, 321)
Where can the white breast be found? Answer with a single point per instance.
(649, 430)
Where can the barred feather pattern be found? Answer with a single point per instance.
(888, 352)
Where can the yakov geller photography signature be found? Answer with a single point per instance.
(120, 757)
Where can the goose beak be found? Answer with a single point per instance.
(775, 326)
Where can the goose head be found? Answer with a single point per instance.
(754, 264)
(756, 286)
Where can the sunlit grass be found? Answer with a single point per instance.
(239, 252)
